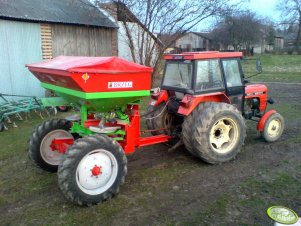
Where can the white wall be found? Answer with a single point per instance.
(191, 39)
(124, 50)
(20, 44)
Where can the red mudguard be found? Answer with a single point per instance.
(264, 118)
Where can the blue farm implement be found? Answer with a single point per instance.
(11, 109)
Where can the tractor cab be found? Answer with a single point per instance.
(204, 73)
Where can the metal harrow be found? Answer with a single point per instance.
(10, 109)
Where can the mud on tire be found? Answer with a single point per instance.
(74, 175)
(215, 132)
(39, 151)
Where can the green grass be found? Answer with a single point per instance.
(247, 204)
(276, 68)
(31, 196)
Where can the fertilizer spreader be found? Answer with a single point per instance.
(107, 90)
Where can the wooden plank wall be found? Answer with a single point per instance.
(46, 41)
(82, 41)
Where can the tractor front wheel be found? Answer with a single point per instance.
(216, 133)
(92, 170)
(273, 128)
(39, 149)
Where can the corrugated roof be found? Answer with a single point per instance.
(77, 12)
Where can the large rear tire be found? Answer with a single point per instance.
(92, 170)
(187, 131)
(217, 132)
(39, 150)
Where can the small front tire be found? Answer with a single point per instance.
(92, 170)
(273, 128)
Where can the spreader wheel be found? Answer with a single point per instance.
(39, 149)
(92, 170)
(273, 128)
(217, 132)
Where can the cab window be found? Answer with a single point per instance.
(178, 74)
(208, 75)
(232, 73)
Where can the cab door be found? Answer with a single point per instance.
(235, 88)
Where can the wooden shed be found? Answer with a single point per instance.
(35, 30)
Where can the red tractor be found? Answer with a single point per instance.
(202, 103)
(204, 100)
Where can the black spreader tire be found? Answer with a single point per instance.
(202, 122)
(37, 136)
(67, 172)
(265, 134)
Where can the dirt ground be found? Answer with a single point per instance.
(203, 185)
(173, 188)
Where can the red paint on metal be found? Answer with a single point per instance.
(61, 144)
(146, 141)
(160, 97)
(91, 122)
(96, 170)
(93, 74)
(263, 119)
(202, 55)
(258, 91)
(132, 138)
(190, 102)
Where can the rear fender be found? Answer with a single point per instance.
(189, 102)
(159, 97)
(263, 119)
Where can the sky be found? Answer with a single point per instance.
(265, 8)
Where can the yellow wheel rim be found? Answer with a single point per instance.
(274, 128)
(224, 135)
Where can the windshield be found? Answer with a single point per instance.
(178, 74)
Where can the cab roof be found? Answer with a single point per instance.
(202, 55)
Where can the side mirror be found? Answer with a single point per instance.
(258, 66)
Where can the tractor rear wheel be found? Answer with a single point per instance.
(39, 150)
(187, 131)
(273, 128)
(217, 132)
(92, 170)
(159, 118)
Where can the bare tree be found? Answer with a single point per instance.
(291, 14)
(168, 17)
(238, 29)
